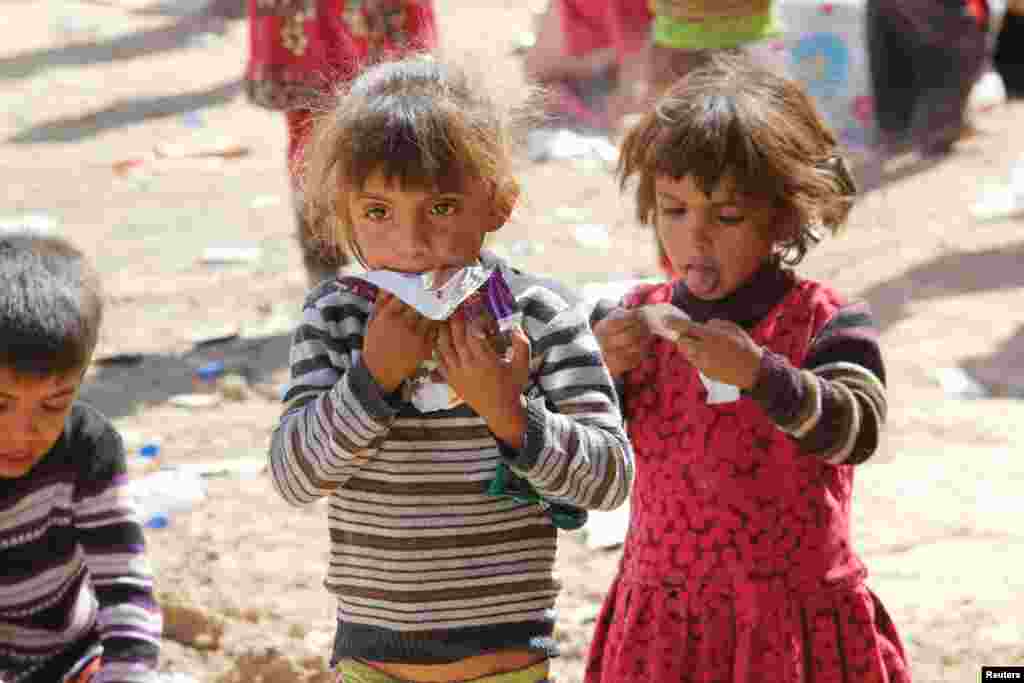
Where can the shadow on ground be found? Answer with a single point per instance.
(125, 383)
(126, 113)
(174, 36)
(953, 274)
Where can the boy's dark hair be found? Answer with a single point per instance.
(50, 305)
(732, 118)
(419, 121)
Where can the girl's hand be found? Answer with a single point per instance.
(721, 350)
(397, 340)
(490, 385)
(624, 339)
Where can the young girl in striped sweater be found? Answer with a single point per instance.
(435, 578)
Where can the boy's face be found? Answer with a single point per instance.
(32, 415)
(416, 230)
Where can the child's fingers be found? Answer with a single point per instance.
(446, 347)
(520, 346)
(686, 329)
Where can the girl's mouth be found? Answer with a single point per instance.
(702, 277)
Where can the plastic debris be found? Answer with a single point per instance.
(233, 387)
(194, 401)
(264, 201)
(1001, 201)
(193, 119)
(38, 223)
(958, 383)
(547, 144)
(229, 255)
(988, 92)
(593, 236)
(570, 214)
(243, 466)
(607, 529)
(162, 494)
(222, 146)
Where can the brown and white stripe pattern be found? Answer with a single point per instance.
(416, 543)
(835, 407)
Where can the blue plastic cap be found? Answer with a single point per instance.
(149, 450)
(158, 522)
(211, 370)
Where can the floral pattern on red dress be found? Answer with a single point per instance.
(737, 566)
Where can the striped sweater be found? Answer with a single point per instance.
(425, 565)
(75, 582)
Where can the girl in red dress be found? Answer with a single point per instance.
(300, 50)
(738, 565)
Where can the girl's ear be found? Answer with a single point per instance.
(505, 197)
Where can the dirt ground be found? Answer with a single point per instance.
(89, 90)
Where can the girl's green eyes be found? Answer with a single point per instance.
(443, 209)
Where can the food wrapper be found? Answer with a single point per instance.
(657, 317)
(478, 293)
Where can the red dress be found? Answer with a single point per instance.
(737, 567)
(299, 50)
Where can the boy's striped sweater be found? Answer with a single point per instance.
(75, 582)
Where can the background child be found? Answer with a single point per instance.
(300, 50)
(76, 601)
(738, 564)
(435, 579)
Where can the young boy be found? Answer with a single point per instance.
(76, 600)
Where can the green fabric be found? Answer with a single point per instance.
(354, 671)
(713, 35)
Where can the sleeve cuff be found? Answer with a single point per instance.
(778, 389)
(526, 457)
(378, 404)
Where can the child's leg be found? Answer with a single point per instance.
(892, 59)
(321, 259)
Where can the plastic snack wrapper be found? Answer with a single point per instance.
(478, 293)
(658, 317)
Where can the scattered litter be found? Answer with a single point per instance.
(547, 144)
(227, 255)
(570, 214)
(174, 677)
(1006, 634)
(233, 387)
(264, 201)
(38, 223)
(161, 494)
(956, 382)
(193, 119)
(988, 92)
(222, 146)
(1000, 201)
(204, 379)
(523, 42)
(244, 466)
(593, 236)
(607, 528)
(194, 401)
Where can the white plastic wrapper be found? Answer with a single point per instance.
(657, 317)
(480, 294)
